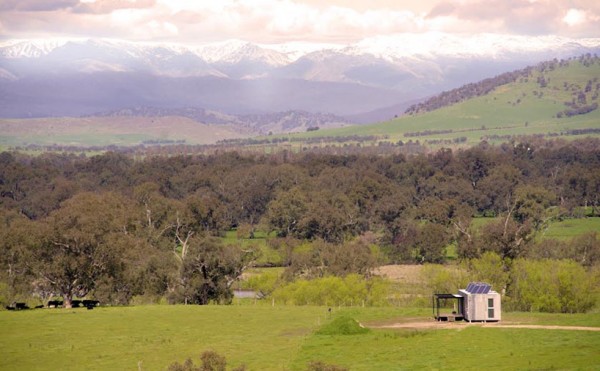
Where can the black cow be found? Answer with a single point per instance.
(55, 303)
(90, 304)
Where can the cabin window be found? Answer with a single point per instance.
(490, 308)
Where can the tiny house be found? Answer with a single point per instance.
(477, 302)
(480, 303)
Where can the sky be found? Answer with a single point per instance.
(280, 21)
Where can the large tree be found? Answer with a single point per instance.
(208, 271)
(80, 244)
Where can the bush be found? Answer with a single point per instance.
(264, 284)
(552, 286)
(490, 268)
(244, 231)
(444, 279)
(210, 361)
(335, 291)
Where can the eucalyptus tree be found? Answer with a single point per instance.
(81, 243)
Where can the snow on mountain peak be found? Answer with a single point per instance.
(388, 47)
(478, 45)
(236, 51)
(34, 48)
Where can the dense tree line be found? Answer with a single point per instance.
(116, 227)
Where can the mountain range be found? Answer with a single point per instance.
(372, 80)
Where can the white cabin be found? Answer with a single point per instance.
(480, 303)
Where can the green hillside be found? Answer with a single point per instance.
(528, 106)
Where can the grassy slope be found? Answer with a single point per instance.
(280, 338)
(498, 112)
(532, 115)
(560, 230)
(99, 131)
(571, 228)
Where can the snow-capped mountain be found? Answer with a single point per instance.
(59, 77)
(237, 51)
(484, 45)
(388, 47)
(29, 48)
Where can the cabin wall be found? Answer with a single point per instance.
(482, 307)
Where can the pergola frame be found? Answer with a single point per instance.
(435, 304)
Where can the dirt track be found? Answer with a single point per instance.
(462, 325)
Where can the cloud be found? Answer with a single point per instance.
(277, 19)
(109, 6)
(36, 5)
(533, 17)
(574, 17)
(442, 9)
(292, 20)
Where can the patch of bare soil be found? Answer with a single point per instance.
(401, 272)
(461, 325)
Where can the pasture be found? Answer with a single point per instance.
(104, 131)
(284, 338)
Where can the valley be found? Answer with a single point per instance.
(535, 103)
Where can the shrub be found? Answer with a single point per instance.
(490, 268)
(444, 279)
(343, 325)
(264, 284)
(551, 286)
(210, 361)
(350, 290)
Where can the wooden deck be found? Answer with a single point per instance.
(449, 317)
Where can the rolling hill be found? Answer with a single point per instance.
(56, 78)
(552, 99)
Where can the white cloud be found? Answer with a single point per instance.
(269, 21)
(574, 17)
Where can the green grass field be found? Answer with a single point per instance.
(571, 228)
(282, 338)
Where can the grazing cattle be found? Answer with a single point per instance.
(55, 303)
(90, 303)
(39, 306)
(21, 306)
(8, 307)
(76, 303)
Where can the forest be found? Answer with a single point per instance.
(116, 226)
